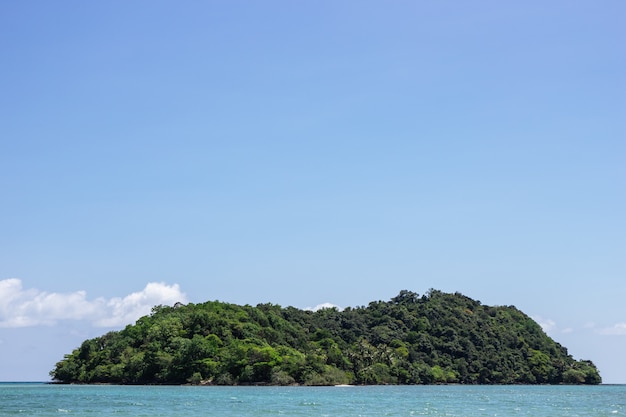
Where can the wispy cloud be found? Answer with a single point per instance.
(550, 327)
(616, 329)
(21, 307)
(323, 306)
(547, 325)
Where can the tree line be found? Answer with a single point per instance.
(435, 338)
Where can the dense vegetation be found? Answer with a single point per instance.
(435, 338)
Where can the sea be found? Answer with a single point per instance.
(40, 399)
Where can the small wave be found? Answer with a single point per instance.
(309, 404)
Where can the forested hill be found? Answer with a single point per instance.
(411, 339)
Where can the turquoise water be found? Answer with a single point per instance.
(467, 401)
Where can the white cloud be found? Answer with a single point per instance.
(323, 306)
(21, 307)
(550, 327)
(616, 329)
(130, 308)
(546, 324)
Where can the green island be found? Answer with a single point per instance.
(436, 338)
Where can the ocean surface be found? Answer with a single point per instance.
(26, 399)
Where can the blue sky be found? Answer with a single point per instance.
(303, 153)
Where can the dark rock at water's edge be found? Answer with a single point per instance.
(435, 338)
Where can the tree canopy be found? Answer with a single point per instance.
(430, 339)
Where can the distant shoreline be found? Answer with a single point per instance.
(286, 386)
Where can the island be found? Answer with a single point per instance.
(436, 338)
